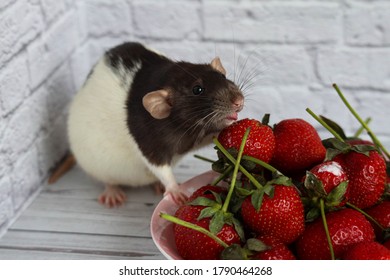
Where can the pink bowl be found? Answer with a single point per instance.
(161, 229)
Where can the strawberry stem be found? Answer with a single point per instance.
(322, 208)
(222, 176)
(203, 158)
(235, 171)
(197, 228)
(360, 130)
(232, 160)
(366, 127)
(262, 163)
(366, 215)
(324, 124)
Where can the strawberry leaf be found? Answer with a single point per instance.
(217, 222)
(239, 229)
(336, 196)
(233, 252)
(331, 154)
(314, 185)
(208, 212)
(313, 214)
(334, 126)
(254, 244)
(364, 149)
(203, 201)
(257, 199)
(265, 119)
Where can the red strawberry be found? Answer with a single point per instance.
(330, 173)
(346, 227)
(381, 213)
(387, 244)
(206, 191)
(276, 251)
(367, 177)
(298, 146)
(280, 216)
(368, 250)
(193, 245)
(260, 143)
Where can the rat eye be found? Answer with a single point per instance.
(196, 90)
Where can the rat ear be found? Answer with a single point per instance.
(157, 104)
(216, 64)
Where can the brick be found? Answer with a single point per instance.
(25, 178)
(24, 125)
(272, 22)
(53, 145)
(367, 24)
(81, 64)
(167, 20)
(14, 84)
(19, 24)
(105, 17)
(50, 51)
(61, 88)
(52, 9)
(355, 67)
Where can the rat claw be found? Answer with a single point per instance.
(178, 197)
(112, 196)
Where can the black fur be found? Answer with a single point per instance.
(161, 140)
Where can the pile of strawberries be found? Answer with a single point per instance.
(290, 195)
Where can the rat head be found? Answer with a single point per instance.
(196, 96)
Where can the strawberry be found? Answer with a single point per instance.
(280, 216)
(330, 173)
(194, 245)
(276, 250)
(381, 213)
(368, 250)
(346, 227)
(387, 244)
(207, 191)
(260, 143)
(367, 176)
(298, 146)
(326, 181)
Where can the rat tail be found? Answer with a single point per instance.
(64, 166)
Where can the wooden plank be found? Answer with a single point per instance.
(86, 244)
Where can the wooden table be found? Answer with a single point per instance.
(65, 221)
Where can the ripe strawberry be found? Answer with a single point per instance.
(381, 213)
(206, 191)
(368, 250)
(260, 143)
(194, 245)
(346, 227)
(280, 216)
(367, 177)
(326, 181)
(387, 244)
(298, 146)
(330, 173)
(276, 251)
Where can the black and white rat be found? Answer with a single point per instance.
(139, 112)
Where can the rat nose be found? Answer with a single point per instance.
(238, 103)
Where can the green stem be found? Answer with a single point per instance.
(261, 163)
(366, 127)
(233, 161)
(203, 158)
(223, 175)
(322, 208)
(235, 171)
(360, 130)
(194, 227)
(324, 124)
(365, 214)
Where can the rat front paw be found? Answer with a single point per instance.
(177, 196)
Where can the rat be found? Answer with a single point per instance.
(139, 112)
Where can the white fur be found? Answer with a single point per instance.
(99, 137)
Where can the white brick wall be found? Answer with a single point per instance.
(297, 49)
